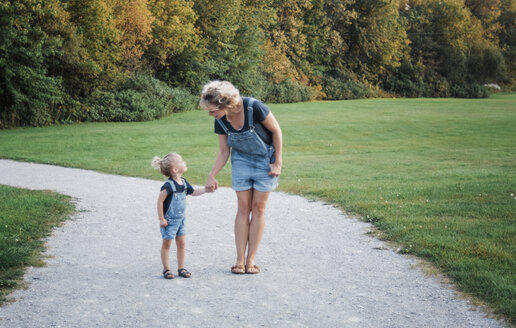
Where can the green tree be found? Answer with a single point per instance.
(372, 33)
(98, 35)
(256, 17)
(28, 96)
(134, 22)
(176, 53)
(218, 24)
(488, 12)
(233, 33)
(324, 45)
(66, 61)
(288, 44)
(450, 43)
(507, 36)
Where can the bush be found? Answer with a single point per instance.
(487, 64)
(288, 92)
(71, 110)
(407, 88)
(30, 100)
(406, 80)
(436, 86)
(253, 84)
(344, 87)
(183, 100)
(140, 98)
(472, 90)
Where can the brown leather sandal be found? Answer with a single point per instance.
(238, 269)
(252, 269)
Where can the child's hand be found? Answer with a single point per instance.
(163, 223)
(209, 189)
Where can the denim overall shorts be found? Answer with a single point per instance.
(250, 158)
(175, 214)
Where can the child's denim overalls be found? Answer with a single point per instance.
(250, 157)
(175, 214)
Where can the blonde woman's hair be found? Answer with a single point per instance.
(166, 163)
(221, 94)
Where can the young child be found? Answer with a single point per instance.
(171, 209)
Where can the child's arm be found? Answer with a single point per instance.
(200, 191)
(161, 199)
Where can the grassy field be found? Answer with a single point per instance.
(437, 176)
(25, 218)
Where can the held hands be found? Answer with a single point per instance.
(211, 184)
(275, 169)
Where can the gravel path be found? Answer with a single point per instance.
(319, 269)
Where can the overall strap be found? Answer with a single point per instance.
(172, 185)
(223, 126)
(250, 111)
(184, 185)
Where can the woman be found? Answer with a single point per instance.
(248, 130)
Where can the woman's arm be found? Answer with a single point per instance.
(221, 160)
(272, 125)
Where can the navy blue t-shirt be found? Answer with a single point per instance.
(260, 112)
(179, 189)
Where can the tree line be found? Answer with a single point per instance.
(133, 60)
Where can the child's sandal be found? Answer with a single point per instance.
(184, 273)
(168, 275)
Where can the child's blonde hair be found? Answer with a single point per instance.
(221, 94)
(166, 163)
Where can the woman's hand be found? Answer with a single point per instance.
(163, 223)
(211, 184)
(275, 169)
(272, 125)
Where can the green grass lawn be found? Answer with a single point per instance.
(25, 218)
(435, 175)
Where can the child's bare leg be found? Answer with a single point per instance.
(165, 247)
(242, 224)
(180, 244)
(257, 224)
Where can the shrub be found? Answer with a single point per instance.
(253, 84)
(344, 87)
(407, 88)
(140, 98)
(30, 100)
(436, 86)
(472, 90)
(183, 100)
(70, 110)
(288, 92)
(487, 64)
(406, 80)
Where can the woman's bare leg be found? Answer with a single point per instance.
(242, 224)
(257, 225)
